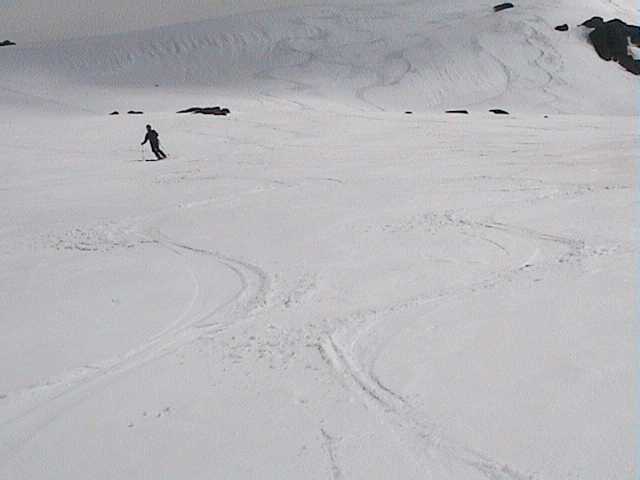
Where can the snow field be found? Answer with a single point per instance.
(318, 286)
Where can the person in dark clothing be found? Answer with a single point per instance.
(152, 138)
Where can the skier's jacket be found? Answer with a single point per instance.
(152, 138)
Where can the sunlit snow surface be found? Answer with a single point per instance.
(318, 285)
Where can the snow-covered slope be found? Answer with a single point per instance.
(318, 285)
(416, 55)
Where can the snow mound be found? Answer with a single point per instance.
(393, 56)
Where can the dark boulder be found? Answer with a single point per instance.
(408, 112)
(135, 112)
(503, 6)
(212, 111)
(562, 28)
(593, 22)
(207, 111)
(6, 43)
(611, 41)
(464, 112)
(499, 111)
(630, 64)
(115, 112)
(194, 109)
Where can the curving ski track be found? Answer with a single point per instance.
(192, 324)
(353, 348)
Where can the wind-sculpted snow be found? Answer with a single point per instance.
(385, 56)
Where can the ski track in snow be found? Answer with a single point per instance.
(329, 445)
(356, 341)
(54, 399)
(350, 44)
(353, 348)
(307, 54)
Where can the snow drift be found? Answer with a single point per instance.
(407, 55)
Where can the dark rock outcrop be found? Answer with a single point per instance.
(464, 112)
(115, 112)
(408, 112)
(207, 111)
(593, 22)
(499, 111)
(562, 28)
(630, 64)
(611, 41)
(135, 112)
(503, 6)
(6, 43)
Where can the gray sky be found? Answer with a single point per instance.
(35, 20)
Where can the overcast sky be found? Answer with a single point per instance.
(35, 20)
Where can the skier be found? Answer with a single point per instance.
(152, 138)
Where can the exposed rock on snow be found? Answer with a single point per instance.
(207, 111)
(465, 112)
(503, 6)
(499, 111)
(593, 22)
(6, 43)
(613, 41)
(115, 112)
(562, 28)
(135, 112)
